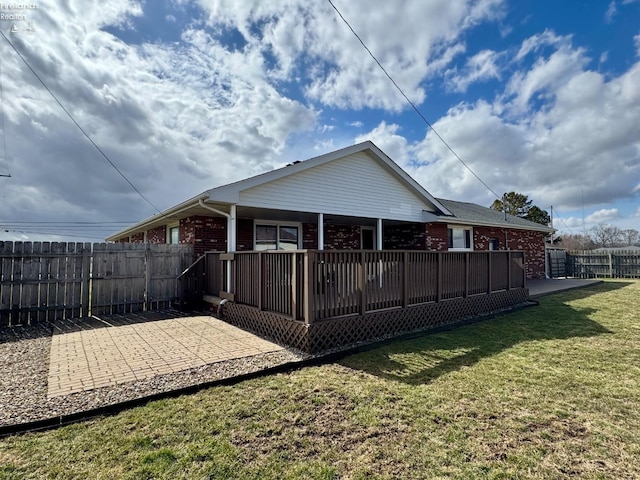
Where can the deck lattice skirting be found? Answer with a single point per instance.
(349, 330)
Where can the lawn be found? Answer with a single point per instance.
(546, 392)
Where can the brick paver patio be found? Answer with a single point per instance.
(88, 357)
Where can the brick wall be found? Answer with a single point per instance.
(341, 237)
(532, 243)
(204, 233)
(410, 236)
(310, 236)
(244, 238)
(137, 238)
(436, 237)
(157, 235)
(482, 235)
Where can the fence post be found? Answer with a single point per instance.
(309, 287)
(610, 265)
(86, 281)
(147, 276)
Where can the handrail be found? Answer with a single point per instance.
(190, 267)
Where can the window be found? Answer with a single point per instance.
(494, 244)
(277, 237)
(459, 238)
(174, 235)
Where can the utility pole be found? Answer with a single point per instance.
(551, 224)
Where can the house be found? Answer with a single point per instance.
(355, 198)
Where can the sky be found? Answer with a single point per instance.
(540, 97)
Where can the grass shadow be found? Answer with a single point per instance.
(422, 360)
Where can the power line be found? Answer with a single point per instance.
(26, 232)
(2, 120)
(104, 155)
(415, 108)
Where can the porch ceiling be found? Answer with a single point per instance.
(306, 217)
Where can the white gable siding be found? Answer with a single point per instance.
(355, 185)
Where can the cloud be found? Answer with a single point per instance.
(581, 139)
(339, 72)
(603, 216)
(611, 12)
(481, 67)
(386, 138)
(159, 111)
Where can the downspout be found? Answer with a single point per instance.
(231, 232)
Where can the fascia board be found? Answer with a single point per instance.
(480, 223)
(144, 224)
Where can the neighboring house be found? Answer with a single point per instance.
(353, 198)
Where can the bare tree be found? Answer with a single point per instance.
(575, 241)
(604, 235)
(630, 237)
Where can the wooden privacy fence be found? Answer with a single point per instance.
(48, 281)
(314, 285)
(619, 264)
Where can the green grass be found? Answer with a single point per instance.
(547, 392)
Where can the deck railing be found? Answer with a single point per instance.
(313, 285)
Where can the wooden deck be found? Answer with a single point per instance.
(315, 300)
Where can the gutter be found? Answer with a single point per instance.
(480, 223)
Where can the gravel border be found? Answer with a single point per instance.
(24, 369)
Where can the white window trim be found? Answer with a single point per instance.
(168, 232)
(460, 227)
(298, 225)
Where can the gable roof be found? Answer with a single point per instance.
(473, 214)
(231, 192)
(439, 210)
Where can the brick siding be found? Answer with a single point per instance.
(437, 237)
(204, 233)
(310, 236)
(157, 235)
(532, 244)
(410, 236)
(244, 239)
(341, 237)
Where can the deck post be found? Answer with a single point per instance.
(467, 260)
(231, 244)
(260, 281)
(309, 287)
(294, 286)
(363, 284)
(439, 278)
(488, 272)
(405, 279)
